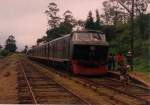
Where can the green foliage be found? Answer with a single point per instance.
(59, 28)
(97, 22)
(4, 53)
(143, 24)
(120, 40)
(11, 44)
(53, 33)
(90, 24)
(52, 14)
(63, 29)
(141, 65)
(120, 11)
(11, 47)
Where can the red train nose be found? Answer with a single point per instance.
(86, 70)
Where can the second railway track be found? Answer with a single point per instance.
(140, 93)
(36, 88)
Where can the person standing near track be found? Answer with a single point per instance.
(124, 77)
(111, 62)
(120, 59)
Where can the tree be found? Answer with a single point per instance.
(98, 22)
(120, 10)
(1, 47)
(68, 17)
(53, 33)
(42, 40)
(79, 25)
(140, 6)
(64, 27)
(52, 14)
(68, 23)
(11, 44)
(89, 24)
(114, 13)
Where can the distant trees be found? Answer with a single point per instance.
(1, 47)
(68, 23)
(42, 40)
(9, 47)
(52, 13)
(119, 11)
(11, 44)
(117, 25)
(58, 26)
(90, 24)
(98, 23)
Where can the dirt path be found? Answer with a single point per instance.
(8, 92)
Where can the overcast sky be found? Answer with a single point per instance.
(26, 20)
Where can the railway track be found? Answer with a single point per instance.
(36, 88)
(132, 90)
(140, 93)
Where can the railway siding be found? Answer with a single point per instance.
(134, 91)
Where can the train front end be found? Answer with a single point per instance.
(89, 53)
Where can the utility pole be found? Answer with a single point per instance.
(132, 34)
(131, 12)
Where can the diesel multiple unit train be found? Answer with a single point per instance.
(81, 52)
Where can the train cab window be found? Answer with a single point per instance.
(88, 37)
(82, 36)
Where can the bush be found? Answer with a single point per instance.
(4, 53)
(141, 65)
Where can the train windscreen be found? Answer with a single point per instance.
(88, 52)
(89, 37)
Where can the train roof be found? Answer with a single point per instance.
(67, 35)
(60, 38)
(92, 31)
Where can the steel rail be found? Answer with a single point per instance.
(94, 83)
(46, 75)
(29, 86)
(62, 74)
(87, 103)
(77, 96)
(111, 87)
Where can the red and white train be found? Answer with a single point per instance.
(81, 52)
